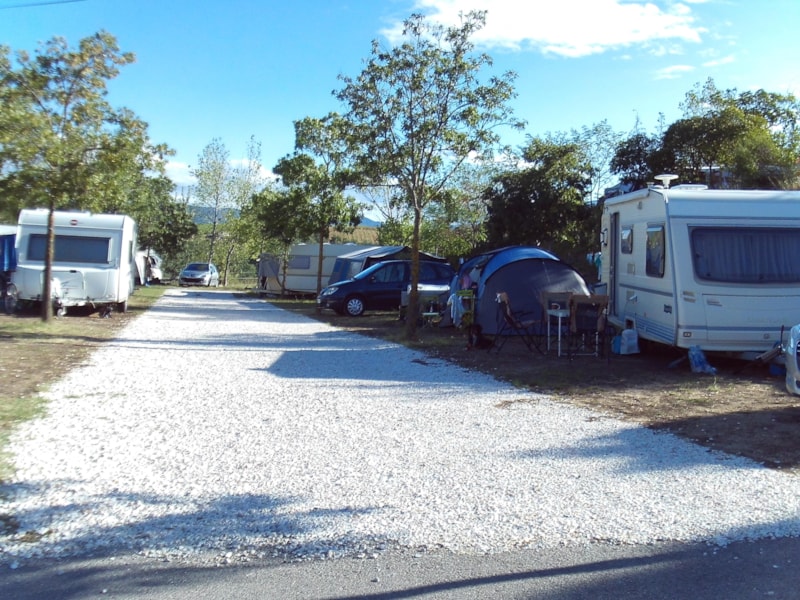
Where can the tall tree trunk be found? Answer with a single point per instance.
(320, 261)
(47, 274)
(412, 311)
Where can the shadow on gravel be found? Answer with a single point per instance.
(631, 451)
(261, 525)
(760, 435)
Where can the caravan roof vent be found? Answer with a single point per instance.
(691, 186)
(665, 179)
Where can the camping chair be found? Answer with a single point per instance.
(518, 324)
(587, 325)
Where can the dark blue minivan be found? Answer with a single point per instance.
(380, 286)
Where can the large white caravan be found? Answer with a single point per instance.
(688, 266)
(93, 263)
(302, 268)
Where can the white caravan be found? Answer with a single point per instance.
(301, 269)
(93, 263)
(688, 266)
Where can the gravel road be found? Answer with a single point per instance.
(219, 427)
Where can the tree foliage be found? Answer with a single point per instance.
(597, 142)
(543, 203)
(281, 216)
(223, 189)
(165, 222)
(634, 158)
(724, 139)
(317, 172)
(418, 110)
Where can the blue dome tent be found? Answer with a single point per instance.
(523, 272)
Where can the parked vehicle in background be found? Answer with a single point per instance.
(380, 286)
(199, 273)
(301, 269)
(93, 262)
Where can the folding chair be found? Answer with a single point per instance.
(587, 325)
(518, 324)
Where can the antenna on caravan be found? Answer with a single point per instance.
(665, 179)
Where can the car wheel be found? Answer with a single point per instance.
(354, 306)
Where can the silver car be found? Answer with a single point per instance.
(199, 274)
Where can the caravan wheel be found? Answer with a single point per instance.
(122, 307)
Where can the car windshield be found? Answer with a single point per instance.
(197, 267)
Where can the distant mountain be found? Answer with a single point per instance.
(367, 222)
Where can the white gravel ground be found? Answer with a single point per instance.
(226, 427)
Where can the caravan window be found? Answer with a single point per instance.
(746, 254)
(626, 240)
(655, 251)
(299, 262)
(70, 248)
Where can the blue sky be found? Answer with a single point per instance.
(236, 69)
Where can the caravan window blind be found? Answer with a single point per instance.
(70, 249)
(746, 254)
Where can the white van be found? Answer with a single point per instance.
(93, 263)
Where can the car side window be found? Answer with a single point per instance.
(427, 272)
(395, 273)
(389, 274)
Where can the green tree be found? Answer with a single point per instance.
(598, 142)
(222, 190)
(316, 171)
(751, 139)
(418, 110)
(211, 190)
(543, 203)
(633, 159)
(63, 145)
(455, 226)
(165, 222)
(281, 215)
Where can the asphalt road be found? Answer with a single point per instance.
(747, 570)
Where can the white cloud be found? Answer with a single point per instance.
(674, 72)
(264, 174)
(570, 28)
(726, 60)
(180, 174)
